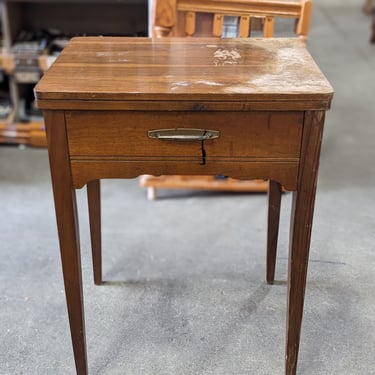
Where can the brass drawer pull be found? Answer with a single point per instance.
(184, 134)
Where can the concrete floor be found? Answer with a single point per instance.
(185, 291)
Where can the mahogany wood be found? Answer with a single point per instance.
(271, 72)
(77, 94)
(67, 225)
(247, 135)
(300, 234)
(274, 201)
(88, 169)
(93, 198)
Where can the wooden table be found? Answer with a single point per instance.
(122, 107)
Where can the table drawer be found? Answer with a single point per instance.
(124, 134)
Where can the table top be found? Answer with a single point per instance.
(185, 69)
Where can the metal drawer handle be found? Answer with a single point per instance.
(184, 134)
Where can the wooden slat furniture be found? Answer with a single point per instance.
(263, 117)
(179, 17)
(206, 18)
(31, 133)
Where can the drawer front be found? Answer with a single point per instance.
(243, 135)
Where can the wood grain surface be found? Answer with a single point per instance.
(175, 69)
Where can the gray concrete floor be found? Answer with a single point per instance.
(185, 290)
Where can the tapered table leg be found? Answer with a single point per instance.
(274, 201)
(93, 198)
(301, 224)
(67, 225)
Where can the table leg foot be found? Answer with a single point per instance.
(274, 201)
(93, 198)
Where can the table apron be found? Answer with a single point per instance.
(285, 172)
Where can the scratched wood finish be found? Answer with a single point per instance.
(173, 69)
(206, 18)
